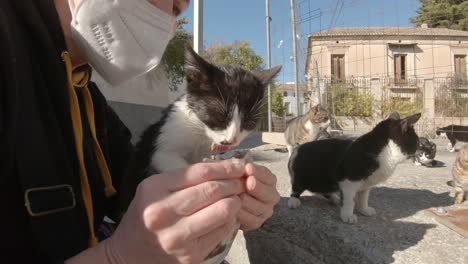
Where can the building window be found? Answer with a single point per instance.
(460, 66)
(285, 94)
(337, 67)
(400, 67)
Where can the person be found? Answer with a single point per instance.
(65, 155)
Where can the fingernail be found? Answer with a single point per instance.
(251, 183)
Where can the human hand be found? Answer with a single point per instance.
(260, 198)
(180, 216)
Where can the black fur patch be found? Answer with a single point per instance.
(146, 146)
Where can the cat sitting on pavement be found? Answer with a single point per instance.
(426, 153)
(308, 127)
(460, 175)
(352, 167)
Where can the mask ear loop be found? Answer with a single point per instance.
(74, 9)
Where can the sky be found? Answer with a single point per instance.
(226, 21)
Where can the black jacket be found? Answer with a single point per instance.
(36, 139)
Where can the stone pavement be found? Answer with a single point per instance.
(403, 231)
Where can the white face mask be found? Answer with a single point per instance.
(122, 39)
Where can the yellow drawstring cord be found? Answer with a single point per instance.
(79, 79)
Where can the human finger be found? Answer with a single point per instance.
(256, 207)
(190, 200)
(209, 218)
(249, 221)
(261, 191)
(261, 173)
(203, 172)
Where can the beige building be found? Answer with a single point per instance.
(369, 72)
(401, 53)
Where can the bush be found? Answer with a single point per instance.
(347, 100)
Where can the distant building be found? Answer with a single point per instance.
(288, 92)
(395, 52)
(365, 73)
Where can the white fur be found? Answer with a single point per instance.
(349, 190)
(450, 148)
(193, 139)
(290, 149)
(173, 151)
(388, 159)
(308, 125)
(362, 205)
(294, 202)
(335, 198)
(315, 129)
(423, 160)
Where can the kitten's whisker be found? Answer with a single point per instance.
(259, 104)
(219, 90)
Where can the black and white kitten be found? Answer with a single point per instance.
(425, 153)
(221, 107)
(352, 167)
(453, 133)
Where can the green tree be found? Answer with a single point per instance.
(451, 14)
(173, 58)
(240, 53)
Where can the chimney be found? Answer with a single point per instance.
(424, 25)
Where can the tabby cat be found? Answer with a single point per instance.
(306, 128)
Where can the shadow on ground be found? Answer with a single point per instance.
(314, 233)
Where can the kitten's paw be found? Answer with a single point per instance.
(335, 199)
(294, 202)
(349, 218)
(452, 150)
(417, 163)
(369, 211)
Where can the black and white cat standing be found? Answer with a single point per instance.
(221, 107)
(352, 167)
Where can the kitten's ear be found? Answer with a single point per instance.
(196, 67)
(267, 75)
(409, 121)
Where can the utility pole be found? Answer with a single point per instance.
(317, 88)
(268, 19)
(296, 72)
(198, 26)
